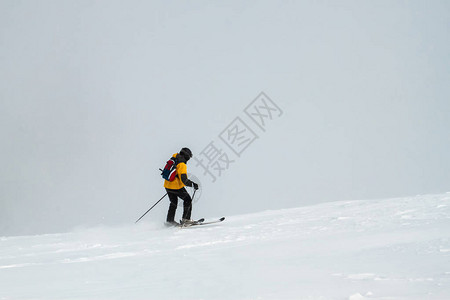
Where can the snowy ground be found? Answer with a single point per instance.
(378, 249)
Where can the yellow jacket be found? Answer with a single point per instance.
(177, 183)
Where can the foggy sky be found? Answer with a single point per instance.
(96, 95)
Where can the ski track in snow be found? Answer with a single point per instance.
(375, 249)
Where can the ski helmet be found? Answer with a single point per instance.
(186, 152)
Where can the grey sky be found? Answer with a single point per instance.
(96, 95)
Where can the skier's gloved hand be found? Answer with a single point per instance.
(195, 186)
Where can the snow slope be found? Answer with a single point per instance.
(377, 249)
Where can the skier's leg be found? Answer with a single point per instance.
(187, 203)
(172, 207)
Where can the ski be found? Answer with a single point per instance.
(179, 224)
(205, 223)
(196, 222)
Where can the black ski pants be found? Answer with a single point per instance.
(187, 203)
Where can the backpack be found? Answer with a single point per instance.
(170, 170)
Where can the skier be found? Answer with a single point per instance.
(175, 189)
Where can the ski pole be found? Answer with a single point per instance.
(150, 208)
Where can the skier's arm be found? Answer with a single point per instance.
(188, 182)
(185, 180)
